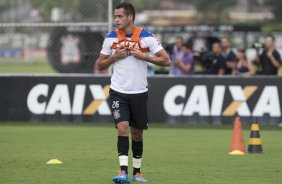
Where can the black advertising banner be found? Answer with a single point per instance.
(216, 100)
(194, 100)
(54, 98)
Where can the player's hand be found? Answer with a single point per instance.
(121, 53)
(137, 54)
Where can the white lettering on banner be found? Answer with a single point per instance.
(33, 104)
(170, 106)
(268, 103)
(198, 101)
(78, 99)
(60, 100)
(217, 100)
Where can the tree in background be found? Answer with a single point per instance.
(209, 10)
(91, 10)
(87, 10)
(276, 7)
(215, 10)
(45, 7)
(4, 5)
(96, 10)
(145, 4)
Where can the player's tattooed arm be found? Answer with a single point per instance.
(161, 59)
(105, 61)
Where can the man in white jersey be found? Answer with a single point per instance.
(129, 49)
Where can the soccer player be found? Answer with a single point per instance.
(129, 49)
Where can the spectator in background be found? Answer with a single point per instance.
(229, 56)
(176, 54)
(244, 66)
(216, 65)
(270, 59)
(185, 65)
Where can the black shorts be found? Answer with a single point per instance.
(131, 108)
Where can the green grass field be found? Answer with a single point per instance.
(197, 155)
(20, 66)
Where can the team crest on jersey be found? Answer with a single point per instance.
(116, 114)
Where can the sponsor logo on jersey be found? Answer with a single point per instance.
(128, 44)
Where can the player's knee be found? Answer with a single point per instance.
(123, 130)
(137, 139)
(137, 135)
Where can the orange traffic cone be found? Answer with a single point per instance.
(237, 143)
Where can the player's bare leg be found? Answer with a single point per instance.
(123, 147)
(123, 128)
(137, 150)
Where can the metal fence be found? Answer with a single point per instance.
(66, 36)
(52, 36)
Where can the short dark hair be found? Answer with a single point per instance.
(243, 51)
(271, 36)
(180, 38)
(226, 38)
(216, 43)
(187, 45)
(128, 9)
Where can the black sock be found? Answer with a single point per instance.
(136, 170)
(124, 168)
(137, 150)
(123, 147)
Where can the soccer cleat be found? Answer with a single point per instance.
(139, 178)
(122, 178)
